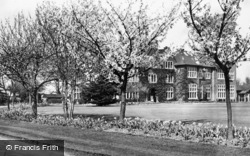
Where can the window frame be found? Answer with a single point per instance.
(221, 91)
(169, 65)
(192, 90)
(192, 72)
(220, 75)
(170, 93)
(152, 78)
(170, 78)
(208, 92)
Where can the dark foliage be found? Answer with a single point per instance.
(100, 92)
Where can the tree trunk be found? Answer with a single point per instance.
(123, 97)
(123, 104)
(72, 101)
(65, 103)
(34, 105)
(229, 108)
(13, 99)
(8, 103)
(57, 87)
(30, 101)
(71, 111)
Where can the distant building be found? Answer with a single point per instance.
(181, 78)
(52, 98)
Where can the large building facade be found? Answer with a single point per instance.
(181, 78)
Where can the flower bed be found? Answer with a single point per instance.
(195, 132)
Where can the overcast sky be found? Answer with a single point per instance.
(176, 36)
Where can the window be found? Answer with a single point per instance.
(221, 91)
(208, 75)
(169, 65)
(208, 91)
(231, 75)
(77, 93)
(170, 93)
(192, 72)
(152, 78)
(192, 91)
(170, 78)
(135, 78)
(132, 95)
(220, 74)
(232, 91)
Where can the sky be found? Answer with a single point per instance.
(177, 36)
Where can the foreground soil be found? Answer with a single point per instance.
(91, 142)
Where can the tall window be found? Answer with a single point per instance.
(232, 91)
(77, 93)
(152, 78)
(208, 91)
(170, 78)
(192, 91)
(169, 65)
(135, 78)
(220, 74)
(221, 91)
(170, 93)
(192, 72)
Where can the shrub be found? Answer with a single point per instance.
(100, 92)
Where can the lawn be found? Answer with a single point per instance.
(108, 143)
(189, 112)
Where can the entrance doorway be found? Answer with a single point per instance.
(152, 95)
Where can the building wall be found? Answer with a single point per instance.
(180, 85)
(146, 89)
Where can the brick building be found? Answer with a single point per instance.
(181, 78)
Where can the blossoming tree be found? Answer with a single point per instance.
(23, 56)
(216, 36)
(123, 37)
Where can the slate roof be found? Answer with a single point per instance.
(185, 59)
(245, 91)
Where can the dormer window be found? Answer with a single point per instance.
(152, 78)
(169, 65)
